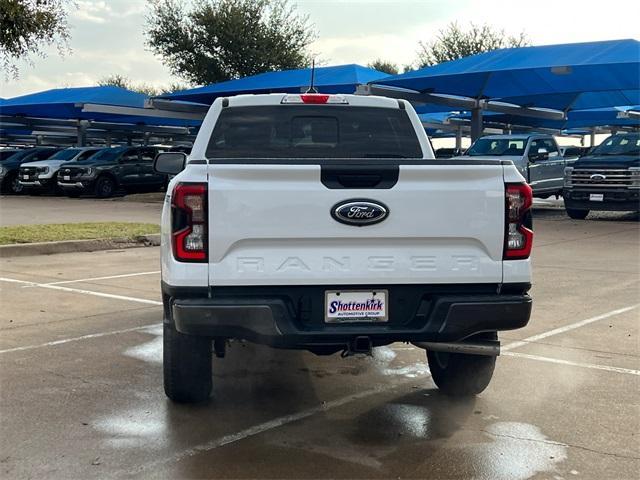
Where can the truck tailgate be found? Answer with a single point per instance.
(271, 224)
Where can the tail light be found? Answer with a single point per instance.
(518, 233)
(189, 222)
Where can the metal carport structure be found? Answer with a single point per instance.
(543, 82)
(105, 113)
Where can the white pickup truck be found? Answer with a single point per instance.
(323, 222)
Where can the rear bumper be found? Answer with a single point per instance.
(294, 317)
(620, 200)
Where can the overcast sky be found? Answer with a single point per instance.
(107, 38)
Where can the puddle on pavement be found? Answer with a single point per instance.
(518, 451)
(135, 428)
(150, 351)
(382, 358)
(422, 425)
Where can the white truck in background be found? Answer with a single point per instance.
(323, 222)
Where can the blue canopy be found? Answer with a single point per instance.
(568, 76)
(67, 103)
(338, 79)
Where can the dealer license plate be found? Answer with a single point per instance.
(596, 197)
(66, 177)
(25, 177)
(356, 306)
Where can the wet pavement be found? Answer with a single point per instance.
(81, 382)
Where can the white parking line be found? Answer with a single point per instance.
(99, 278)
(566, 328)
(263, 427)
(592, 366)
(86, 292)
(76, 339)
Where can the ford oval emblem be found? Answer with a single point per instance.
(359, 212)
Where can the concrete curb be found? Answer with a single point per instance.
(70, 246)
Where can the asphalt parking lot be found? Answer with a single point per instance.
(30, 210)
(81, 381)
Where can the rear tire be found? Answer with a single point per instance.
(187, 366)
(105, 187)
(460, 375)
(577, 214)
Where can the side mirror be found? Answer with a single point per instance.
(170, 163)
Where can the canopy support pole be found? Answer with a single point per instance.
(592, 137)
(459, 138)
(82, 133)
(476, 123)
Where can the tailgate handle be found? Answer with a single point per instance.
(359, 176)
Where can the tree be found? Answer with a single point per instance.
(122, 81)
(384, 66)
(454, 42)
(26, 26)
(217, 40)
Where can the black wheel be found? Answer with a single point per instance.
(12, 185)
(577, 214)
(187, 366)
(460, 375)
(105, 187)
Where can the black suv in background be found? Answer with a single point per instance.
(111, 169)
(10, 162)
(608, 178)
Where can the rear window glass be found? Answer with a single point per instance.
(309, 131)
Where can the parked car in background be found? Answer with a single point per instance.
(10, 165)
(180, 148)
(447, 152)
(573, 152)
(536, 156)
(111, 169)
(43, 175)
(607, 179)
